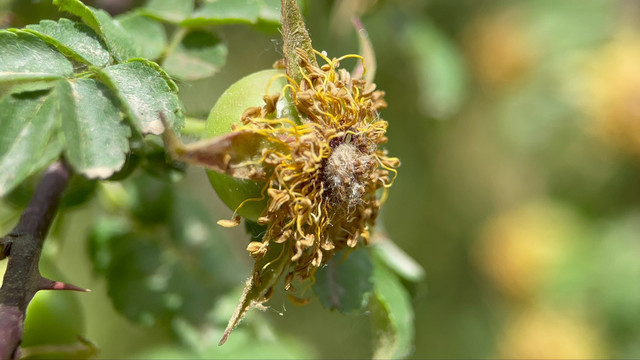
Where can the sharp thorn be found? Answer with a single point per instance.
(46, 284)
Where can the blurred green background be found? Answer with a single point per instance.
(518, 127)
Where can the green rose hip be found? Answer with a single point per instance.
(245, 93)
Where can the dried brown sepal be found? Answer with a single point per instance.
(367, 53)
(239, 153)
(295, 36)
(259, 287)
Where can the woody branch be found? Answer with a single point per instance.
(23, 246)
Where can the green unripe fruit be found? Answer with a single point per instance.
(53, 318)
(245, 93)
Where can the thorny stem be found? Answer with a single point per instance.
(23, 246)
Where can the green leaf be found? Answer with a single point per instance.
(149, 36)
(199, 54)
(96, 138)
(137, 280)
(440, 69)
(77, 8)
(193, 231)
(145, 92)
(150, 199)
(270, 11)
(244, 345)
(120, 43)
(615, 249)
(24, 57)
(24, 87)
(396, 259)
(391, 316)
(164, 352)
(254, 339)
(103, 231)
(346, 283)
(28, 139)
(257, 342)
(255, 230)
(76, 40)
(172, 11)
(225, 12)
(163, 274)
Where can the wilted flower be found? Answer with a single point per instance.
(325, 175)
(322, 175)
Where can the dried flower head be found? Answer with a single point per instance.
(325, 175)
(325, 172)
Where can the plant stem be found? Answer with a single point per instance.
(23, 246)
(193, 127)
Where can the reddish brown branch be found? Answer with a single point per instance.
(23, 246)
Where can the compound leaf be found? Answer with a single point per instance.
(120, 43)
(25, 57)
(199, 54)
(137, 278)
(145, 91)
(28, 138)
(103, 231)
(196, 235)
(169, 274)
(172, 11)
(96, 138)
(77, 40)
(225, 12)
(148, 35)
